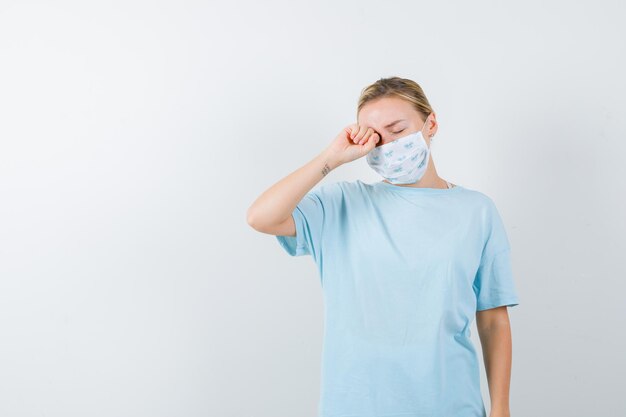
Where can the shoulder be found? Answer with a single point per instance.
(328, 189)
(340, 193)
(488, 215)
(359, 187)
(471, 198)
(339, 188)
(479, 200)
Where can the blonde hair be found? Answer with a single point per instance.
(403, 88)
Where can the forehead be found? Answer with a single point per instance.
(380, 112)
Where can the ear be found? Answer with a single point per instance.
(432, 125)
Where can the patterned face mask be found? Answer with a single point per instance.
(402, 161)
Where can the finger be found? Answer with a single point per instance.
(371, 142)
(351, 130)
(368, 133)
(354, 130)
(359, 136)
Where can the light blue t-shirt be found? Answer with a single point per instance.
(403, 272)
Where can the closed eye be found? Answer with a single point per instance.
(399, 131)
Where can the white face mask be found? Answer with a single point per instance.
(402, 161)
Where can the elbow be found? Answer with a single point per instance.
(255, 221)
(251, 218)
(492, 319)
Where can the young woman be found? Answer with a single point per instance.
(405, 265)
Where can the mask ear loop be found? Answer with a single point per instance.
(431, 136)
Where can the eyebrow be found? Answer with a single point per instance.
(393, 123)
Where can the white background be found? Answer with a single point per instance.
(134, 135)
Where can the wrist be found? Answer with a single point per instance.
(329, 161)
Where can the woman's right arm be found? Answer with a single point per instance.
(271, 211)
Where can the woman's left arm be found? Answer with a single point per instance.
(494, 330)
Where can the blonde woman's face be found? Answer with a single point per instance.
(393, 118)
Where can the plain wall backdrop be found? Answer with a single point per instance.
(134, 135)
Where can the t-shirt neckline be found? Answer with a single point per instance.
(418, 190)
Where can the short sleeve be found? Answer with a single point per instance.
(494, 285)
(310, 216)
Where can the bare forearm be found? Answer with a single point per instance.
(278, 202)
(497, 354)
